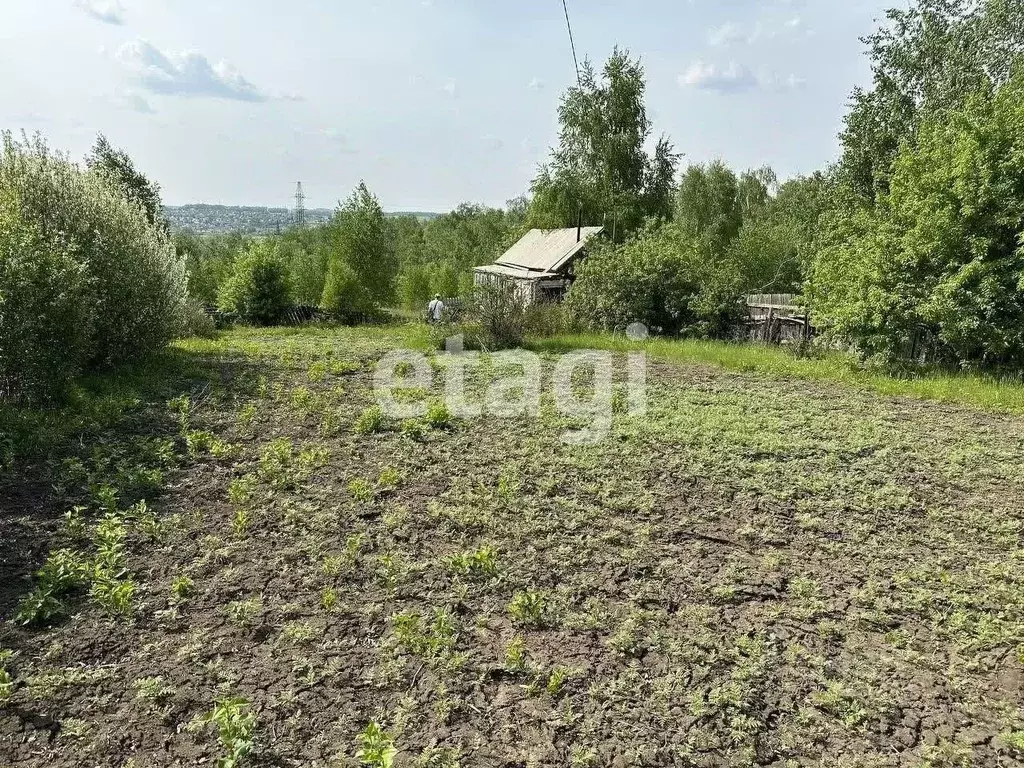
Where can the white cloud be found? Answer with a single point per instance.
(710, 77)
(726, 34)
(185, 74)
(107, 11)
(735, 78)
(731, 33)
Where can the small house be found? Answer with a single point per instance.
(540, 265)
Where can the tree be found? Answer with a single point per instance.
(362, 265)
(118, 168)
(774, 247)
(938, 260)
(928, 58)
(657, 277)
(601, 170)
(259, 289)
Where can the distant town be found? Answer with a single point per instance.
(251, 220)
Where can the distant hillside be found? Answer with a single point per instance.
(218, 219)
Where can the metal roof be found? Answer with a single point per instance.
(515, 272)
(546, 250)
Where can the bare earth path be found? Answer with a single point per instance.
(757, 572)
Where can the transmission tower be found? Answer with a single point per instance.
(300, 206)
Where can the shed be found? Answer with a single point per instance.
(540, 265)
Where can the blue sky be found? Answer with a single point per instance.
(432, 102)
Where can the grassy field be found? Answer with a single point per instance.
(985, 391)
(228, 559)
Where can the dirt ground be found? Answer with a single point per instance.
(756, 572)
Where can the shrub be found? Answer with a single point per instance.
(661, 277)
(196, 322)
(497, 318)
(548, 320)
(87, 279)
(259, 289)
(44, 318)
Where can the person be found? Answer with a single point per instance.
(435, 309)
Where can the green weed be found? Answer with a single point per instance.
(481, 563)
(529, 608)
(370, 421)
(430, 640)
(236, 726)
(182, 588)
(376, 747)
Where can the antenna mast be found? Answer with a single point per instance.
(300, 206)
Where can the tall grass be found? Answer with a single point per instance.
(983, 391)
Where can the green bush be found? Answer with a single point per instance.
(197, 322)
(662, 278)
(933, 269)
(259, 289)
(86, 279)
(500, 312)
(44, 317)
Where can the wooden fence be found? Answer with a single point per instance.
(777, 318)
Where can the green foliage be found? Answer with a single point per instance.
(6, 685)
(85, 279)
(370, 421)
(658, 278)
(236, 725)
(929, 57)
(182, 587)
(601, 170)
(259, 289)
(482, 563)
(773, 250)
(688, 276)
(431, 640)
(499, 315)
(363, 264)
(529, 608)
(934, 267)
(63, 572)
(438, 416)
(117, 167)
(376, 747)
(209, 260)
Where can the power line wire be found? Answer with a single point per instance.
(572, 42)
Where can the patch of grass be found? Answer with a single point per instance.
(984, 391)
(438, 416)
(515, 654)
(430, 639)
(479, 563)
(371, 421)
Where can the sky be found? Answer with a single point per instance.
(431, 102)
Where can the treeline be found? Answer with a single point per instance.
(909, 247)
(355, 265)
